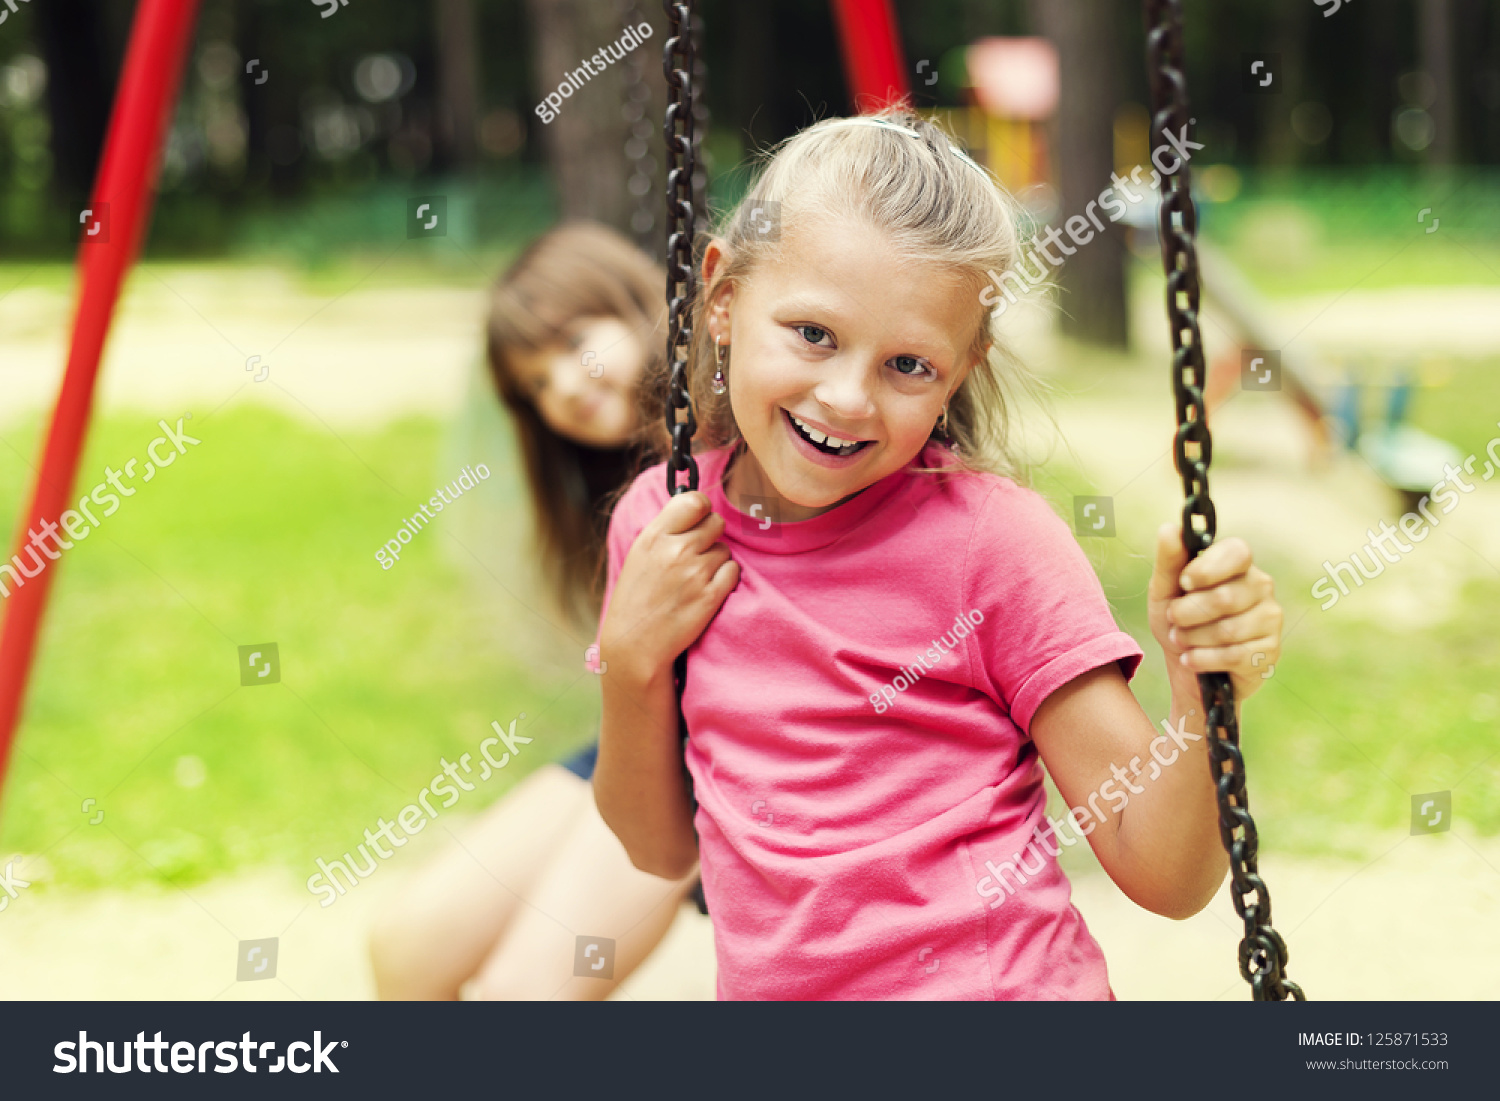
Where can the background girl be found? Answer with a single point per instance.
(887, 637)
(573, 336)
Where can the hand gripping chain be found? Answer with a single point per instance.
(1263, 954)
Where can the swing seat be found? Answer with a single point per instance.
(1407, 459)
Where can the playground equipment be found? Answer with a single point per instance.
(1016, 84)
(121, 200)
(877, 76)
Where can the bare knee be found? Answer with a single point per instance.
(399, 957)
(531, 975)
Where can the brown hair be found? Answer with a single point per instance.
(577, 270)
(903, 175)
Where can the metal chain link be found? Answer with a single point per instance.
(1263, 954)
(678, 57)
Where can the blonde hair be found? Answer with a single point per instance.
(903, 176)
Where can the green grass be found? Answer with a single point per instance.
(265, 532)
(1327, 232)
(1358, 716)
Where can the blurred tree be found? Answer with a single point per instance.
(585, 142)
(458, 79)
(80, 88)
(1435, 35)
(1088, 45)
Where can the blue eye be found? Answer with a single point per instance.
(816, 340)
(901, 364)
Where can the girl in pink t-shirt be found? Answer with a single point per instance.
(887, 636)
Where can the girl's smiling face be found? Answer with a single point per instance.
(843, 354)
(584, 387)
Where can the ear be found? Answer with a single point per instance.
(717, 308)
(969, 365)
(958, 380)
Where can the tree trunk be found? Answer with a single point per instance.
(80, 90)
(1435, 35)
(458, 75)
(585, 141)
(1092, 281)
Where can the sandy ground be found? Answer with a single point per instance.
(1415, 921)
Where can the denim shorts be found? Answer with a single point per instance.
(581, 764)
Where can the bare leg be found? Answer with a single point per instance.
(589, 889)
(446, 918)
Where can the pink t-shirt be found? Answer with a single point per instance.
(845, 816)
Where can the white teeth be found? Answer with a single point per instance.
(818, 437)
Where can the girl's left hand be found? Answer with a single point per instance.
(1217, 615)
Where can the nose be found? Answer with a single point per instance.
(567, 379)
(845, 388)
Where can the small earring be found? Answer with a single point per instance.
(721, 354)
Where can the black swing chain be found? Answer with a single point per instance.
(678, 56)
(1263, 953)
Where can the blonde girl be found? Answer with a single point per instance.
(888, 636)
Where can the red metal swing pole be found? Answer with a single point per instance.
(873, 64)
(124, 188)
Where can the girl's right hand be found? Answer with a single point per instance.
(672, 583)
